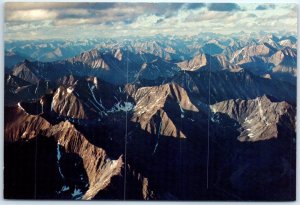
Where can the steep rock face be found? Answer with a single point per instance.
(118, 54)
(165, 52)
(128, 62)
(17, 90)
(35, 71)
(263, 50)
(285, 65)
(224, 85)
(157, 68)
(67, 104)
(138, 184)
(133, 186)
(66, 80)
(281, 69)
(256, 65)
(153, 47)
(98, 166)
(100, 63)
(15, 82)
(24, 72)
(20, 125)
(263, 59)
(224, 63)
(254, 58)
(287, 43)
(207, 62)
(286, 56)
(195, 63)
(151, 101)
(272, 40)
(88, 98)
(259, 118)
(93, 58)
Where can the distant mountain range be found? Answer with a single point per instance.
(266, 55)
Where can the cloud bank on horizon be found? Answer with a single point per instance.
(90, 20)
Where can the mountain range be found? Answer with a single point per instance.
(207, 117)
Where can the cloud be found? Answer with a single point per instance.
(128, 21)
(146, 21)
(96, 6)
(223, 7)
(30, 15)
(251, 15)
(162, 9)
(74, 14)
(123, 14)
(261, 7)
(160, 21)
(58, 5)
(206, 16)
(265, 7)
(193, 6)
(50, 20)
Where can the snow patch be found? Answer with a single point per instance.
(99, 103)
(95, 81)
(70, 90)
(20, 106)
(250, 134)
(182, 111)
(58, 156)
(24, 135)
(65, 188)
(77, 194)
(261, 113)
(248, 120)
(236, 54)
(113, 163)
(126, 107)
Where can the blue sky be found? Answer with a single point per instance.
(89, 20)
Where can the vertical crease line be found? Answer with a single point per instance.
(36, 144)
(208, 125)
(125, 143)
